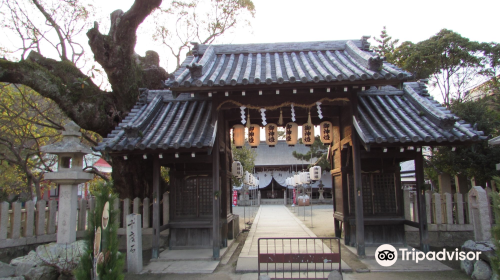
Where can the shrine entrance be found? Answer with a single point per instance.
(376, 119)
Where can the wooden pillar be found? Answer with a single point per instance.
(156, 208)
(358, 190)
(216, 190)
(422, 223)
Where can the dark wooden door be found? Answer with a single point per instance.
(193, 198)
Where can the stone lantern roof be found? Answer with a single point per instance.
(70, 143)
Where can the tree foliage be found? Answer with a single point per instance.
(495, 231)
(477, 160)
(112, 266)
(386, 45)
(95, 81)
(199, 21)
(454, 64)
(27, 122)
(317, 152)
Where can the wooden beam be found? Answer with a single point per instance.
(422, 215)
(286, 89)
(156, 209)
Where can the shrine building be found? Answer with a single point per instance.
(374, 114)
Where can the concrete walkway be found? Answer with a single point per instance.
(273, 221)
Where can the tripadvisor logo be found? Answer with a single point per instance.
(387, 255)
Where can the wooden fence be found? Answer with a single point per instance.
(37, 223)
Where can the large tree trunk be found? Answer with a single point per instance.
(133, 177)
(85, 103)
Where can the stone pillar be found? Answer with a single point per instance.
(428, 206)
(4, 219)
(479, 213)
(258, 198)
(66, 221)
(460, 208)
(413, 200)
(438, 215)
(407, 205)
(134, 243)
(449, 208)
(30, 219)
(284, 197)
(461, 184)
(444, 183)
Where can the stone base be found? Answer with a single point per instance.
(439, 238)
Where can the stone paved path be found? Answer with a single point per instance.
(273, 221)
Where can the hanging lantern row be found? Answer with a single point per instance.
(291, 134)
(250, 180)
(315, 173)
(237, 169)
(271, 134)
(254, 135)
(303, 178)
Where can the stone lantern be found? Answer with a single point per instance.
(321, 191)
(70, 173)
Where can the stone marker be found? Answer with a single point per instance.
(479, 213)
(284, 197)
(134, 243)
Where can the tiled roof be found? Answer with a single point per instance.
(279, 63)
(160, 122)
(409, 115)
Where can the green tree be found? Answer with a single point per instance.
(113, 261)
(52, 56)
(386, 45)
(317, 151)
(454, 64)
(27, 122)
(495, 231)
(199, 21)
(477, 160)
(246, 156)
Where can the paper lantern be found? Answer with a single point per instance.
(271, 134)
(326, 132)
(237, 169)
(307, 134)
(315, 173)
(254, 135)
(239, 135)
(304, 178)
(291, 133)
(296, 180)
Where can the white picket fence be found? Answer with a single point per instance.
(34, 224)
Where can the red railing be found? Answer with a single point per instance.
(298, 258)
